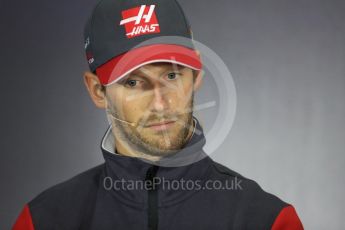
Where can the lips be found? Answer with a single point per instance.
(161, 126)
(160, 123)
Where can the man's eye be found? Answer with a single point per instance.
(131, 82)
(172, 75)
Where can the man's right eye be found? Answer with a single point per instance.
(131, 82)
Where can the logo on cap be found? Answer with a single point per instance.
(139, 21)
(89, 57)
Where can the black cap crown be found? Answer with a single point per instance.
(116, 26)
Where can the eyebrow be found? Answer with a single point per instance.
(139, 72)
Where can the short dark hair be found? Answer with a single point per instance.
(103, 88)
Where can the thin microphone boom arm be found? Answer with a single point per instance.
(130, 123)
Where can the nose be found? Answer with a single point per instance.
(160, 100)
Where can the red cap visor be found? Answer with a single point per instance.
(118, 67)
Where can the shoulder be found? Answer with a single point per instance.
(248, 185)
(65, 200)
(74, 185)
(248, 190)
(254, 203)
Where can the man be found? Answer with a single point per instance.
(156, 174)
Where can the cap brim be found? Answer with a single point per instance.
(120, 66)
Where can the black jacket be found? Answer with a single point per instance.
(103, 198)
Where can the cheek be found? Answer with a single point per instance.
(185, 94)
(187, 84)
(122, 105)
(134, 110)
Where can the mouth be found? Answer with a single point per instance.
(165, 125)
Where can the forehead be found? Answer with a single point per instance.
(156, 68)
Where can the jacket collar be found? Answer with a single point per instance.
(189, 164)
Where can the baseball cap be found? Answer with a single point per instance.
(117, 32)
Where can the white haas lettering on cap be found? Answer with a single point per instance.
(140, 20)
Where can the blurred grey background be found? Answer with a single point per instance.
(287, 59)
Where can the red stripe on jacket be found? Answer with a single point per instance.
(24, 221)
(287, 220)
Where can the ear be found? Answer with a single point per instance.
(198, 80)
(94, 87)
(199, 75)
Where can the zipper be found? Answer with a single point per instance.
(152, 198)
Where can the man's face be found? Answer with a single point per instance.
(158, 99)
